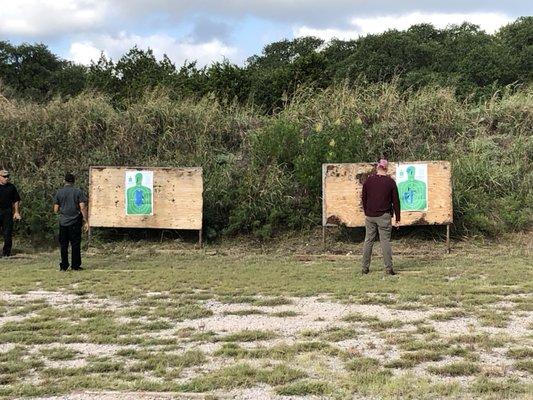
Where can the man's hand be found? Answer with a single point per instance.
(16, 216)
(396, 224)
(85, 226)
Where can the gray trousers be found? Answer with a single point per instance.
(373, 225)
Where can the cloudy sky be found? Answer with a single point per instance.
(211, 30)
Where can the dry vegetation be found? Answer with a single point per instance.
(262, 174)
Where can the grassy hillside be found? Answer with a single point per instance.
(262, 173)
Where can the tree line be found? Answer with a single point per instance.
(463, 56)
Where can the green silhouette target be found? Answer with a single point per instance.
(412, 181)
(139, 192)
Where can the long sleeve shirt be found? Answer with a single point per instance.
(380, 196)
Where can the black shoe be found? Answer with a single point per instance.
(390, 272)
(77, 268)
(365, 271)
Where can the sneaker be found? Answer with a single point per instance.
(77, 268)
(390, 271)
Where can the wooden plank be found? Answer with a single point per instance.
(342, 189)
(177, 198)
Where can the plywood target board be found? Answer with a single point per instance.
(426, 192)
(143, 197)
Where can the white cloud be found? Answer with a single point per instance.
(326, 34)
(92, 26)
(490, 22)
(84, 53)
(318, 13)
(51, 17)
(177, 50)
(33, 18)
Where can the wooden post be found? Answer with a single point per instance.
(200, 238)
(448, 249)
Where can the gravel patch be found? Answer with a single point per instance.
(62, 299)
(123, 396)
(314, 313)
(14, 318)
(5, 347)
(317, 313)
(517, 327)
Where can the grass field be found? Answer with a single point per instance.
(229, 321)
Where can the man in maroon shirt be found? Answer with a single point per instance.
(380, 201)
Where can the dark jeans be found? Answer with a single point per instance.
(70, 234)
(6, 222)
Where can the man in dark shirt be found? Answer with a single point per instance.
(70, 202)
(9, 210)
(380, 201)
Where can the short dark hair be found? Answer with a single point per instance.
(69, 178)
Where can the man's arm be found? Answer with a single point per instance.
(82, 203)
(16, 211)
(396, 203)
(56, 203)
(83, 210)
(364, 197)
(16, 204)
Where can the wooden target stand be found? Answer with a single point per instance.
(177, 203)
(342, 186)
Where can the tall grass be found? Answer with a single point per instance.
(262, 173)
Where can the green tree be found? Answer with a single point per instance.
(138, 71)
(34, 72)
(101, 76)
(227, 81)
(282, 66)
(517, 37)
(279, 54)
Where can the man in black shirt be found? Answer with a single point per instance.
(70, 202)
(9, 210)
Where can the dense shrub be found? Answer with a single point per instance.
(263, 173)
